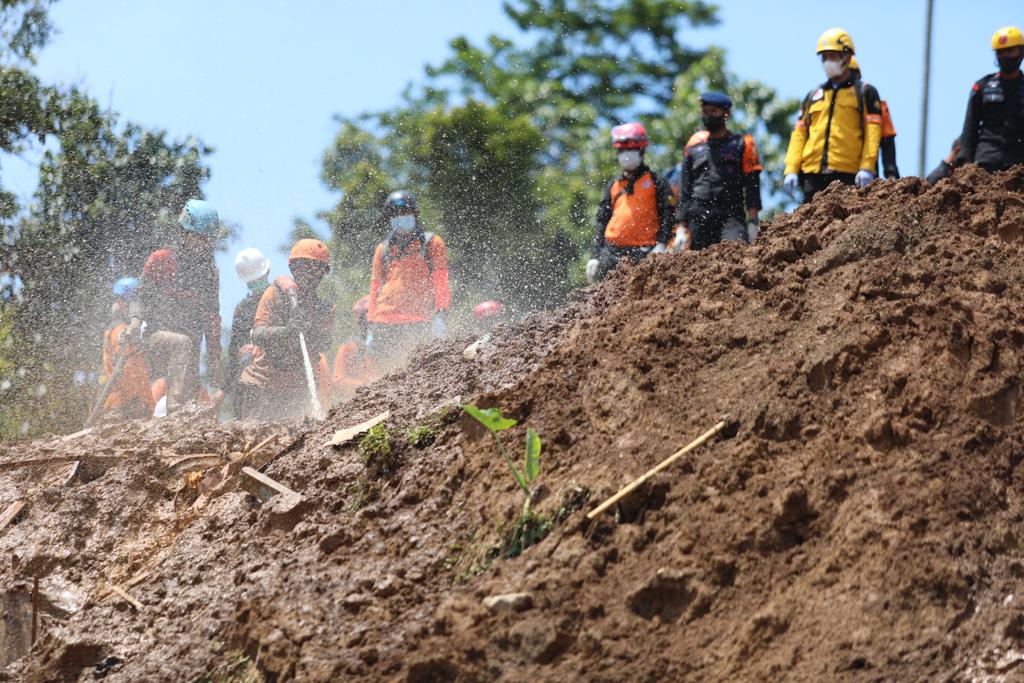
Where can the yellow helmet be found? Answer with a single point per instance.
(835, 39)
(1007, 36)
(854, 64)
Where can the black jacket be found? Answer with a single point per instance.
(993, 135)
(720, 176)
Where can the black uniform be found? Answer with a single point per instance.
(719, 182)
(993, 135)
(242, 323)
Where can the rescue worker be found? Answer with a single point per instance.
(635, 216)
(720, 181)
(353, 364)
(887, 145)
(946, 166)
(252, 268)
(274, 385)
(409, 291)
(837, 135)
(993, 134)
(179, 299)
(123, 363)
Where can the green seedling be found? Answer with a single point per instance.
(378, 452)
(495, 422)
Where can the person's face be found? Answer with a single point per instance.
(711, 110)
(308, 273)
(1009, 58)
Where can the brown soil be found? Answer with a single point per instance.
(859, 520)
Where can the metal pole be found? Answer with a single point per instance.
(924, 97)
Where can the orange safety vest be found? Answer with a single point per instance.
(634, 221)
(133, 385)
(409, 284)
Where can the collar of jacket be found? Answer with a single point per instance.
(640, 170)
(845, 84)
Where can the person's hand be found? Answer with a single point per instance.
(863, 178)
(438, 327)
(659, 248)
(591, 270)
(682, 240)
(790, 184)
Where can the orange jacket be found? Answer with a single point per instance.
(412, 285)
(352, 369)
(635, 211)
(279, 366)
(133, 385)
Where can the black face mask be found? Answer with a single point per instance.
(1008, 65)
(713, 123)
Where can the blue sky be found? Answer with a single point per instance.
(262, 80)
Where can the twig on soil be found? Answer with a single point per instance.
(123, 594)
(10, 513)
(77, 434)
(195, 456)
(633, 485)
(55, 460)
(262, 486)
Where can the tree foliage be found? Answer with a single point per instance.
(506, 142)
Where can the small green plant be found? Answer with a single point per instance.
(378, 452)
(529, 527)
(425, 433)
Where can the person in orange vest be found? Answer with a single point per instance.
(353, 364)
(252, 268)
(409, 291)
(635, 216)
(129, 396)
(887, 146)
(720, 186)
(274, 385)
(179, 300)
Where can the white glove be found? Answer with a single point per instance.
(790, 184)
(437, 327)
(591, 270)
(863, 178)
(369, 340)
(682, 240)
(659, 248)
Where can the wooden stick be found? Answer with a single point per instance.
(123, 594)
(10, 513)
(633, 485)
(134, 581)
(55, 460)
(262, 486)
(35, 608)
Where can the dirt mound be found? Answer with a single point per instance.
(859, 521)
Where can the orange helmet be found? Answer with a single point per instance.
(631, 135)
(309, 248)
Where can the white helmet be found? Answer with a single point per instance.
(251, 264)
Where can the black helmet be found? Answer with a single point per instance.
(399, 203)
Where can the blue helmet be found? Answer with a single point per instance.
(201, 218)
(125, 287)
(716, 99)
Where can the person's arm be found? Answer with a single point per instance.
(685, 188)
(969, 135)
(604, 214)
(887, 151)
(270, 330)
(797, 140)
(666, 213)
(438, 256)
(239, 337)
(872, 129)
(376, 277)
(752, 168)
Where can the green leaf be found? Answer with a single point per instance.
(490, 418)
(532, 455)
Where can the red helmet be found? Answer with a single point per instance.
(631, 135)
(488, 309)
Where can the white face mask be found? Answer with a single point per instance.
(833, 67)
(629, 159)
(403, 223)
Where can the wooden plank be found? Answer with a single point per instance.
(83, 432)
(10, 513)
(343, 436)
(123, 594)
(212, 459)
(262, 486)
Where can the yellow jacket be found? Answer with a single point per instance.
(838, 131)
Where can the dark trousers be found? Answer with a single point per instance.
(611, 255)
(813, 183)
(708, 229)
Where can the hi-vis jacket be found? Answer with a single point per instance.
(409, 283)
(838, 130)
(636, 211)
